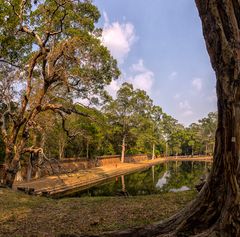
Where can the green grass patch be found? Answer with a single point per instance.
(23, 215)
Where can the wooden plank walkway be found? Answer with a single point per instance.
(83, 179)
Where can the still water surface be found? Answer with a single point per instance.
(173, 176)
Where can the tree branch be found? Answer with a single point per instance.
(56, 32)
(10, 63)
(34, 34)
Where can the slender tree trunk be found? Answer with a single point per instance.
(123, 184)
(153, 174)
(61, 147)
(29, 169)
(123, 149)
(166, 150)
(153, 151)
(87, 149)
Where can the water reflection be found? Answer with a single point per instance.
(175, 176)
(183, 188)
(162, 181)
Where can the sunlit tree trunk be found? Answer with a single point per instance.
(12, 163)
(153, 151)
(123, 149)
(166, 153)
(19, 176)
(61, 147)
(87, 150)
(123, 184)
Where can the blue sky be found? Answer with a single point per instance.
(160, 48)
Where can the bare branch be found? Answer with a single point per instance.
(10, 63)
(34, 34)
(29, 82)
(14, 10)
(56, 32)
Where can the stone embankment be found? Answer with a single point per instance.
(59, 185)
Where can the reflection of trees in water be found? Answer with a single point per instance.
(153, 174)
(145, 182)
(141, 183)
(187, 174)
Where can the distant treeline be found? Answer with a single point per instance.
(132, 116)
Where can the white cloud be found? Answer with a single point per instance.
(186, 109)
(143, 81)
(172, 75)
(144, 78)
(118, 38)
(197, 84)
(177, 96)
(113, 88)
(139, 67)
(187, 113)
(184, 105)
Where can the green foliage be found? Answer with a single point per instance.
(52, 50)
(133, 114)
(71, 65)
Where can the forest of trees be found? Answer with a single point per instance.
(52, 63)
(52, 59)
(132, 116)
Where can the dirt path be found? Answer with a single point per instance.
(83, 179)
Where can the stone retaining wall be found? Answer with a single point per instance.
(108, 160)
(71, 165)
(136, 158)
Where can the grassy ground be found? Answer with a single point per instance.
(23, 215)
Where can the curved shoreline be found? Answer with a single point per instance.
(55, 186)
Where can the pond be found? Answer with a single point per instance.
(172, 176)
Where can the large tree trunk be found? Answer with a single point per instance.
(216, 210)
(12, 167)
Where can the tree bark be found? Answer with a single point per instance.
(166, 152)
(29, 169)
(12, 167)
(87, 150)
(123, 149)
(153, 151)
(61, 146)
(19, 177)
